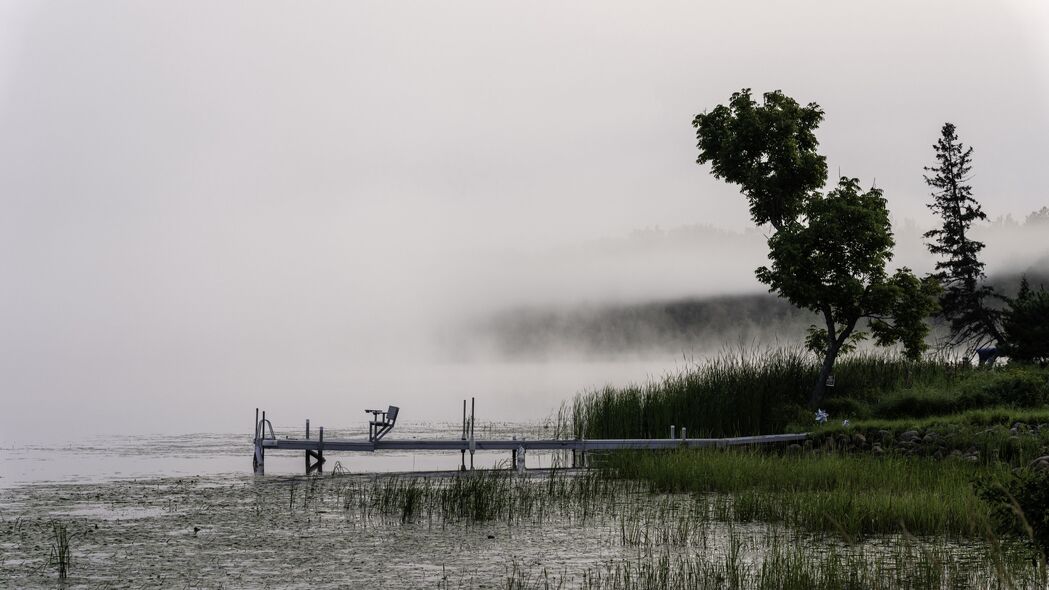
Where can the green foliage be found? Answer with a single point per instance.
(964, 300)
(816, 341)
(768, 149)
(1019, 503)
(1012, 387)
(911, 301)
(1026, 325)
(829, 251)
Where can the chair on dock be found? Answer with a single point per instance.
(382, 422)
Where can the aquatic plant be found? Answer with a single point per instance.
(61, 556)
(848, 495)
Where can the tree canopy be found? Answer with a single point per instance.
(828, 251)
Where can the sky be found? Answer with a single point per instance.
(207, 204)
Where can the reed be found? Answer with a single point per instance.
(746, 393)
(849, 495)
(781, 563)
(61, 553)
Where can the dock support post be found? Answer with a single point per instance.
(462, 464)
(513, 454)
(318, 466)
(258, 460)
(473, 441)
(672, 431)
(684, 433)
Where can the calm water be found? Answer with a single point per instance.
(110, 458)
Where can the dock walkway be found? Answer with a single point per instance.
(265, 440)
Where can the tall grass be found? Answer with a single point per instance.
(61, 554)
(853, 496)
(780, 564)
(745, 393)
(478, 496)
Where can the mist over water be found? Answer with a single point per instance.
(207, 210)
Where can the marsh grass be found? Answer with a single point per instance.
(847, 495)
(480, 496)
(61, 556)
(780, 564)
(748, 393)
(559, 530)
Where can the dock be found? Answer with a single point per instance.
(315, 447)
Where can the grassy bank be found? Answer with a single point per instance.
(751, 393)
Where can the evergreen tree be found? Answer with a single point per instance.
(964, 299)
(1026, 325)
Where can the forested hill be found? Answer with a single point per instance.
(671, 327)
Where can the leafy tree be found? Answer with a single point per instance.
(1039, 217)
(1026, 325)
(828, 252)
(964, 300)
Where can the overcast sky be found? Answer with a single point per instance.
(191, 189)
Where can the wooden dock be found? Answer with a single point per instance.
(314, 448)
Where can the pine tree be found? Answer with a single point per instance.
(1026, 325)
(964, 299)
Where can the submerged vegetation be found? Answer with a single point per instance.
(542, 530)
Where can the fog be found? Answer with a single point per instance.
(208, 207)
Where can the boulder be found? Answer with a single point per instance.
(909, 436)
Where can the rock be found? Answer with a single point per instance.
(877, 450)
(793, 449)
(930, 438)
(859, 439)
(971, 458)
(909, 436)
(937, 455)
(956, 453)
(1041, 463)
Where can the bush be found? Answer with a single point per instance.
(1019, 504)
(1016, 387)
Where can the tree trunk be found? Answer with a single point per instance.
(834, 344)
(821, 384)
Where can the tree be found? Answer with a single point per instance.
(828, 252)
(1026, 325)
(964, 300)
